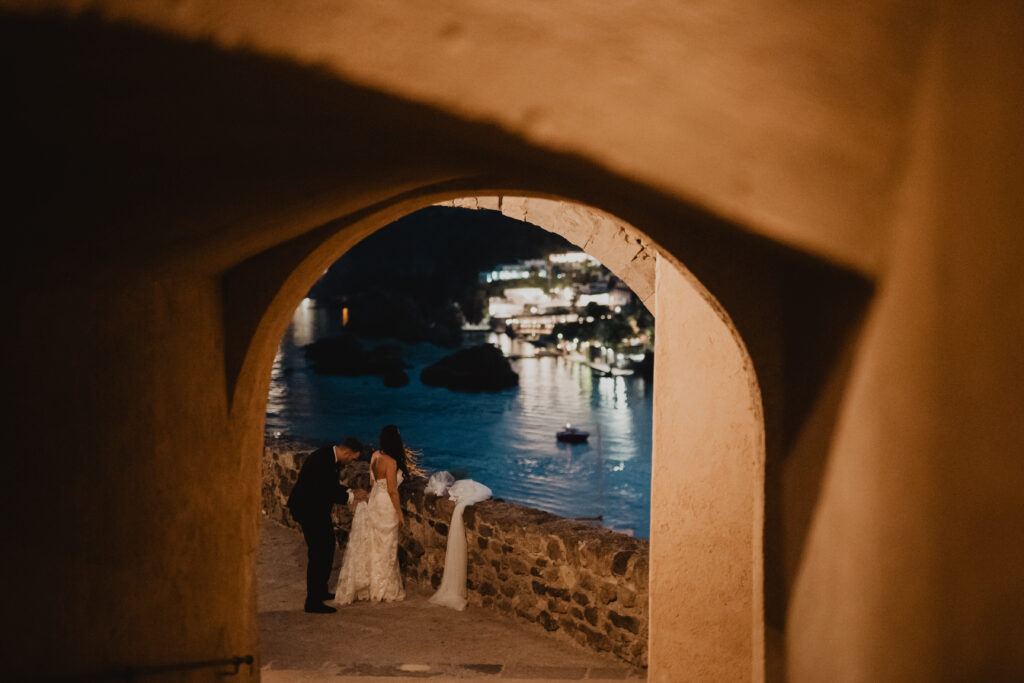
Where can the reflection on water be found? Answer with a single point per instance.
(505, 440)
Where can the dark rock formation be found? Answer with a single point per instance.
(344, 355)
(478, 368)
(396, 379)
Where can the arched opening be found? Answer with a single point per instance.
(172, 314)
(159, 146)
(707, 503)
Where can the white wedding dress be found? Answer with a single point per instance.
(370, 568)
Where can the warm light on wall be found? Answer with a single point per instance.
(344, 316)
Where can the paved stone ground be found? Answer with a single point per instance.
(409, 639)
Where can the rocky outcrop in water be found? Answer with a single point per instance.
(478, 368)
(344, 355)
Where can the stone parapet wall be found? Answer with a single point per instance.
(577, 581)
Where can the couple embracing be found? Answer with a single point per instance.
(369, 570)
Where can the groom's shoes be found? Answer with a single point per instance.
(319, 608)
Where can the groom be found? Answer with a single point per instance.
(315, 494)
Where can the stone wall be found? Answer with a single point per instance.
(575, 580)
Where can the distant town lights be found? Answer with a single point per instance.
(571, 257)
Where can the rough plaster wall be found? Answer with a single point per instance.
(963, 254)
(706, 495)
(136, 514)
(617, 245)
(914, 566)
(787, 117)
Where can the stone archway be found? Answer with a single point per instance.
(707, 504)
(151, 192)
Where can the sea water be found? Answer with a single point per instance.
(505, 440)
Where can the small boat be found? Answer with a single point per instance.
(572, 435)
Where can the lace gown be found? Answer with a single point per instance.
(370, 568)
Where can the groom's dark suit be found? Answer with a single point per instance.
(316, 492)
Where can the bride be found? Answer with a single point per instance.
(370, 568)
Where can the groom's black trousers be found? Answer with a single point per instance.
(320, 540)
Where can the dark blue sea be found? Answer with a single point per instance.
(504, 440)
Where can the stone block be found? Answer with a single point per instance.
(547, 621)
(580, 636)
(628, 623)
(600, 641)
(641, 571)
(556, 592)
(555, 549)
(558, 606)
(620, 562)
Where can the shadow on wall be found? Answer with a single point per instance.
(800, 319)
(108, 144)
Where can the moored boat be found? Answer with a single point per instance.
(572, 435)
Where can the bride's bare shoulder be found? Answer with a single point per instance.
(384, 458)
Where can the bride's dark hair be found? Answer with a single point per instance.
(391, 443)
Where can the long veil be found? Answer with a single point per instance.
(452, 591)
